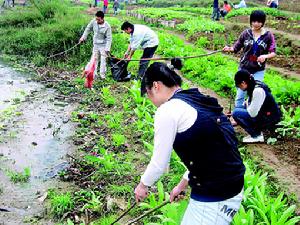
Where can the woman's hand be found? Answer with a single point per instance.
(178, 191)
(228, 49)
(261, 58)
(141, 192)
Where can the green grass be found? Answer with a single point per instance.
(60, 203)
(19, 177)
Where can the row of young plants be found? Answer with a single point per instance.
(183, 3)
(101, 137)
(216, 72)
(218, 34)
(258, 205)
(106, 172)
(165, 13)
(189, 23)
(268, 11)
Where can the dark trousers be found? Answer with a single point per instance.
(216, 14)
(273, 5)
(148, 53)
(242, 117)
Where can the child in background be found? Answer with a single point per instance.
(116, 7)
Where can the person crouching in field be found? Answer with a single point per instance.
(258, 45)
(259, 112)
(226, 9)
(194, 126)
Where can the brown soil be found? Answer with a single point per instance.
(291, 5)
(288, 66)
(283, 159)
(277, 23)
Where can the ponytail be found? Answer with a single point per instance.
(162, 72)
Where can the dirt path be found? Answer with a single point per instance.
(38, 139)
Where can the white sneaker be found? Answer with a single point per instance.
(249, 139)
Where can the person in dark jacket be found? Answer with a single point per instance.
(258, 45)
(194, 126)
(260, 111)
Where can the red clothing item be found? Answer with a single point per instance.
(227, 7)
(89, 74)
(105, 2)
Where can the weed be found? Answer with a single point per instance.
(18, 177)
(60, 203)
(118, 139)
(120, 190)
(107, 98)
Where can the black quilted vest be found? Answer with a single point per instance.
(269, 113)
(209, 150)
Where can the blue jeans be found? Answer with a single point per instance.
(104, 9)
(248, 123)
(216, 14)
(240, 94)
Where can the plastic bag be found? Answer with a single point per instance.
(89, 72)
(119, 69)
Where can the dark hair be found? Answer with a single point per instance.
(99, 14)
(225, 2)
(162, 72)
(126, 25)
(244, 75)
(258, 16)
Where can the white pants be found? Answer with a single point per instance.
(99, 52)
(212, 213)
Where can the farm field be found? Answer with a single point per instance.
(71, 155)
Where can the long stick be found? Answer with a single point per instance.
(124, 213)
(168, 58)
(60, 53)
(148, 212)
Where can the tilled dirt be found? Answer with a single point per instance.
(278, 23)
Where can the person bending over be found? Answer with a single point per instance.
(194, 126)
(140, 36)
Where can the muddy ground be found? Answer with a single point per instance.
(38, 138)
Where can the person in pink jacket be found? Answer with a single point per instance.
(105, 6)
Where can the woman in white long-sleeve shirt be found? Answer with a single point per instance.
(195, 127)
(260, 111)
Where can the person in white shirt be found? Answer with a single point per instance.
(242, 4)
(260, 110)
(194, 126)
(143, 37)
(102, 41)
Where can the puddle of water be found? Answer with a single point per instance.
(41, 142)
(13, 84)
